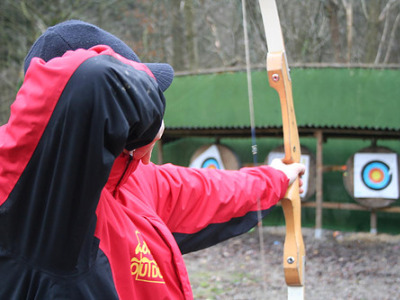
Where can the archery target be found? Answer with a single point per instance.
(211, 163)
(215, 156)
(376, 175)
(210, 158)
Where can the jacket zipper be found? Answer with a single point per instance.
(130, 158)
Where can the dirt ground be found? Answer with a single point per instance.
(338, 266)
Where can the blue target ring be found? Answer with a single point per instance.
(210, 163)
(376, 175)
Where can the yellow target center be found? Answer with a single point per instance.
(376, 175)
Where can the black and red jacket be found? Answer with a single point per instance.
(80, 220)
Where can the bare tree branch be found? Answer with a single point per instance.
(364, 9)
(391, 40)
(348, 5)
(382, 42)
(386, 9)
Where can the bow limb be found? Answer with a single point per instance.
(279, 79)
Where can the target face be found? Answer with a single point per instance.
(211, 163)
(376, 175)
(210, 159)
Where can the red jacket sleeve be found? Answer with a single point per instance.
(202, 207)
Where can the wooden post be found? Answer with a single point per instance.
(319, 184)
(373, 222)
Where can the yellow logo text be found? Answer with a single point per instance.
(143, 265)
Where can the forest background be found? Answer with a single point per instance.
(194, 35)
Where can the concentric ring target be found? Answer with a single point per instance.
(376, 175)
(210, 163)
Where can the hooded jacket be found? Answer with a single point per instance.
(81, 220)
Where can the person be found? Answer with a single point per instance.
(84, 214)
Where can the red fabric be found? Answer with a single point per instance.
(134, 226)
(35, 102)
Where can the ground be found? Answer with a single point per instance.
(342, 266)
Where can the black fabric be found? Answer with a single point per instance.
(47, 245)
(20, 280)
(72, 35)
(217, 232)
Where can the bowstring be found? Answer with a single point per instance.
(254, 149)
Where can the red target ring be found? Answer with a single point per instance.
(376, 175)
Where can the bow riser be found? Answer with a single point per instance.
(279, 79)
(294, 253)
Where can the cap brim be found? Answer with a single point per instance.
(163, 73)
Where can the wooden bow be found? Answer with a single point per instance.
(279, 79)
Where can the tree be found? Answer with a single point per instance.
(204, 34)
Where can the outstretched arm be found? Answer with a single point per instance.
(203, 207)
